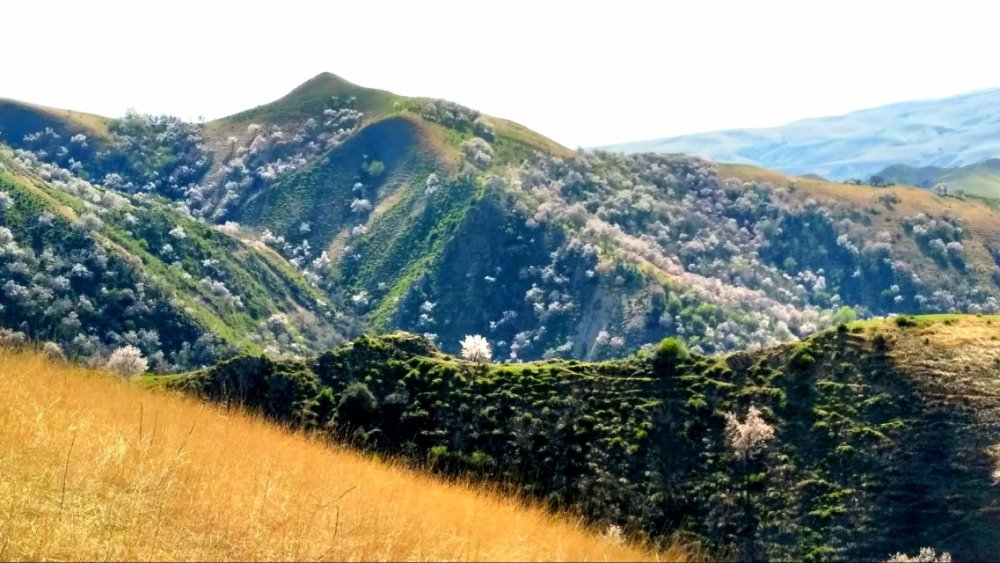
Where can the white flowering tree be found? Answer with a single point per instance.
(126, 361)
(475, 348)
(361, 206)
(12, 339)
(925, 555)
(478, 151)
(747, 439)
(53, 351)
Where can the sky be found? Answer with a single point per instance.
(583, 73)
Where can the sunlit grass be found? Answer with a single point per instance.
(92, 467)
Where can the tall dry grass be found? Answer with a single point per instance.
(92, 467)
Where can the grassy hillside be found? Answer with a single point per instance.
(885, 432)
(919, 176)
(21, 118)
(94, 467)
(980, 179)
(897, 211)
(321, 193)
(311, 98)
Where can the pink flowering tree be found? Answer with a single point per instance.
(748, 441)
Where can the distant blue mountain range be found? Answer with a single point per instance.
(946, 132)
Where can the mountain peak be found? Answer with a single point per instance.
(325, 84)
(313, 95)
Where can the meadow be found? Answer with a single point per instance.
(94, 467)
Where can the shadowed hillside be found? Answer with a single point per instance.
(885, 432)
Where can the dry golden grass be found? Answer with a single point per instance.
(92, 467)
(952, 356)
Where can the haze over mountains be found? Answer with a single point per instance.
(947, 132)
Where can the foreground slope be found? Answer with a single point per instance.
(96, 468)
(945, 132)
(887, 433)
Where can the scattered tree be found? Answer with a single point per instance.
(748, 438)
(669, 353)
(476, 348)
(12, 339)
(126, 361)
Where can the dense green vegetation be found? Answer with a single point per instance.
(868, 459)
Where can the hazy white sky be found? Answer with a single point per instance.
(582, 73)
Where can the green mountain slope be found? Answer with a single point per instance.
(20, 119)
(919, 176)
(643, 256)
(311, 98)
(425, 215)
(980, 179)
(886, 433)
(383, 158)
(91, 270)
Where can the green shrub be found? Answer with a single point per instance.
(376, 168)
(845, 315)
(324, 405)
(881, 342)
(670, 353)
(357, 405)
(802, 359)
